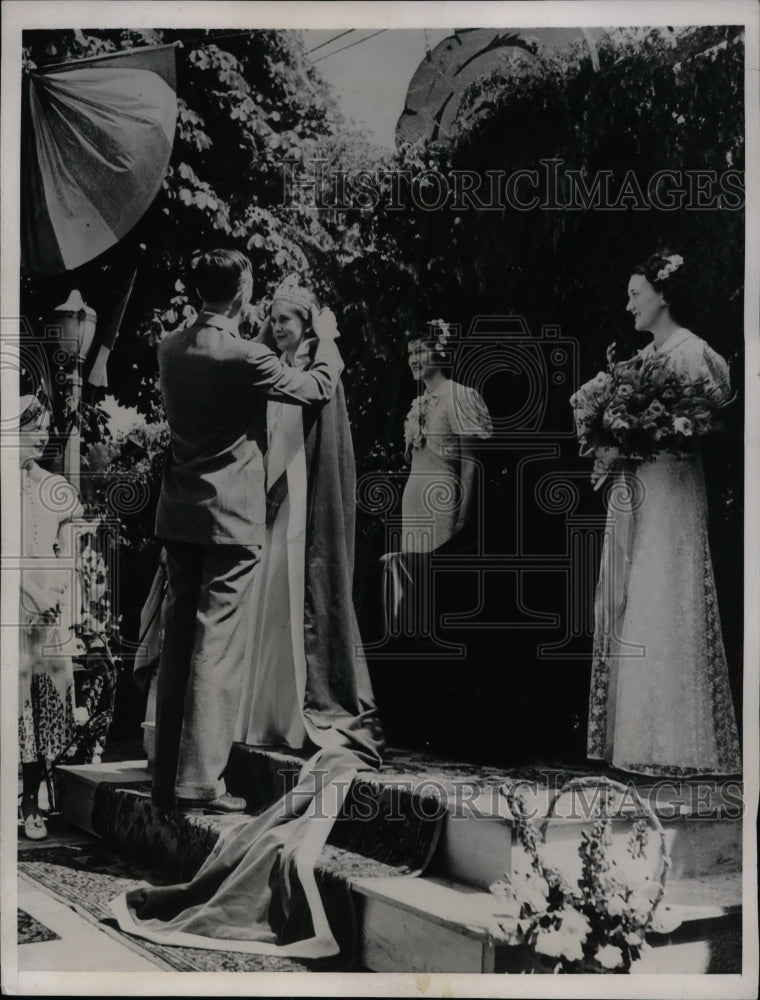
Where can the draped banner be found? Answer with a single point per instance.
(97, 137)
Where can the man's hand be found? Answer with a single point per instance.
(324, 324)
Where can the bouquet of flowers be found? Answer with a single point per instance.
(639, 408)
(597, 925)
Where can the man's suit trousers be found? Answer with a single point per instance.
(201, 668)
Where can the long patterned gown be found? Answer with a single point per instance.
(660, 700)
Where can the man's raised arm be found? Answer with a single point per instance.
(290, 385)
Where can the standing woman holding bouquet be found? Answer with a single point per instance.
(660, 700)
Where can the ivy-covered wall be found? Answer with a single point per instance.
(253, 112)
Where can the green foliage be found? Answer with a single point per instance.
(251, 106)
(663, 99)
(246, 107)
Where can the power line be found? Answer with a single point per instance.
(350, 46)
(210, 39)
(333, 39)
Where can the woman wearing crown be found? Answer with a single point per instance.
(306, 686)
(308, 683)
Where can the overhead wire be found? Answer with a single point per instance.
(330, 40)
(350, 46)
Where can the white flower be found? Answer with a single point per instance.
(682, 425)
(615, 906)
(443, 331)
(576, 923)
(530, 889)
(509, 906)
(610, 957)
(674, 262)
(559, 943)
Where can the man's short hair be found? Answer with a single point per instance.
(218, 274)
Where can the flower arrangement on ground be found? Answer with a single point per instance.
(598, 924)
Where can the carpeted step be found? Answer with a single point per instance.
(389, 919)
(447, 818)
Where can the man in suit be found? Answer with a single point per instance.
(211, 518)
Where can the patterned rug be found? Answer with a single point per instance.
(31, 931)
(88, 877)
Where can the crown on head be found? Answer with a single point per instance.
(289, 290)
(31, 411)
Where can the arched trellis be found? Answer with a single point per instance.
(441, 79)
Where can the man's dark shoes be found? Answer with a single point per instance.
(222, 804)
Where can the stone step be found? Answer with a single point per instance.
(81, 782)
(702, 821)
(431, 923)
(453, 820)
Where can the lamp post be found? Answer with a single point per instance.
(77, 322)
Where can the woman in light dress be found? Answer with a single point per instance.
(439, 506)
(440, 529)
(308, 683)
(660, 700)
(440, 500)
(46, 680)
(307, 686)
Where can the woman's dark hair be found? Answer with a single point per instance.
(667, 273)
(218, 274)
(430, 334)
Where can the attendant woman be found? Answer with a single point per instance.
(440, 501)
(46, 682)
(440, 508)
(660, 697)
(308, 683)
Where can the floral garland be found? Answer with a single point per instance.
(598, 925)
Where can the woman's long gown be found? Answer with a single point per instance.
(431, 577)
(308, 682)
(433, 500)
(660, 699)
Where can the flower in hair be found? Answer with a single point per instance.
(443, 331)
(674, 261)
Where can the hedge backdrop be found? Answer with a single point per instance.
(661, 99)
